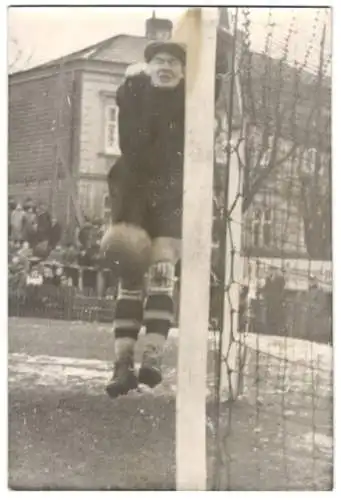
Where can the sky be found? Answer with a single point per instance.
(44, 33)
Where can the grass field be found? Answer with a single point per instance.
(64, 433)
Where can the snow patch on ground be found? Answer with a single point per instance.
(69, 374)
(302, 362)
(293, 350)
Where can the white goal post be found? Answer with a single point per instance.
(198, 30)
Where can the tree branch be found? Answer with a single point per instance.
(19, 58)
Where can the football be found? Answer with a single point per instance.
(128, 248)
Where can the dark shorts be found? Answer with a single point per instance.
(154, 206)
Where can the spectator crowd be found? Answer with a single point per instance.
(39, 252)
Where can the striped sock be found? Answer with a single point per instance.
(128, 313)
(159, 309)
(158, 314)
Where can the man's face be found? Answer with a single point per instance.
(165, 70)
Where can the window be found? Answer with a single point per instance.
(266, 156)
(106, 209)
(255, 229)
(267, 219)
(162, 35)
(309, 160)
(111, 140)
(261, 226)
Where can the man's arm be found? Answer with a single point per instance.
(134, 116)
(134, 137)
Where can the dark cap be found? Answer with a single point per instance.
(175, 49)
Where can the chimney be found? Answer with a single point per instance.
(158, 29)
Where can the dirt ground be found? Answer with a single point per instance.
(64, 433)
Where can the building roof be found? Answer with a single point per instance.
(124, 49)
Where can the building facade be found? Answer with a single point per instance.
(63, 125)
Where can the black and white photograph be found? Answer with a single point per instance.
(169, 248)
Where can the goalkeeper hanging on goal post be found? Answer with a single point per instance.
(146, 194)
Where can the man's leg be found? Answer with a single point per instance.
(159, 307)
(128, 207)
(127, 324)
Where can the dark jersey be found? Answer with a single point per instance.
(151, 131)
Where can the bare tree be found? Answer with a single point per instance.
(286, 114)
(270, 121)
(18, 58)
(315, 179)
(315, 207)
